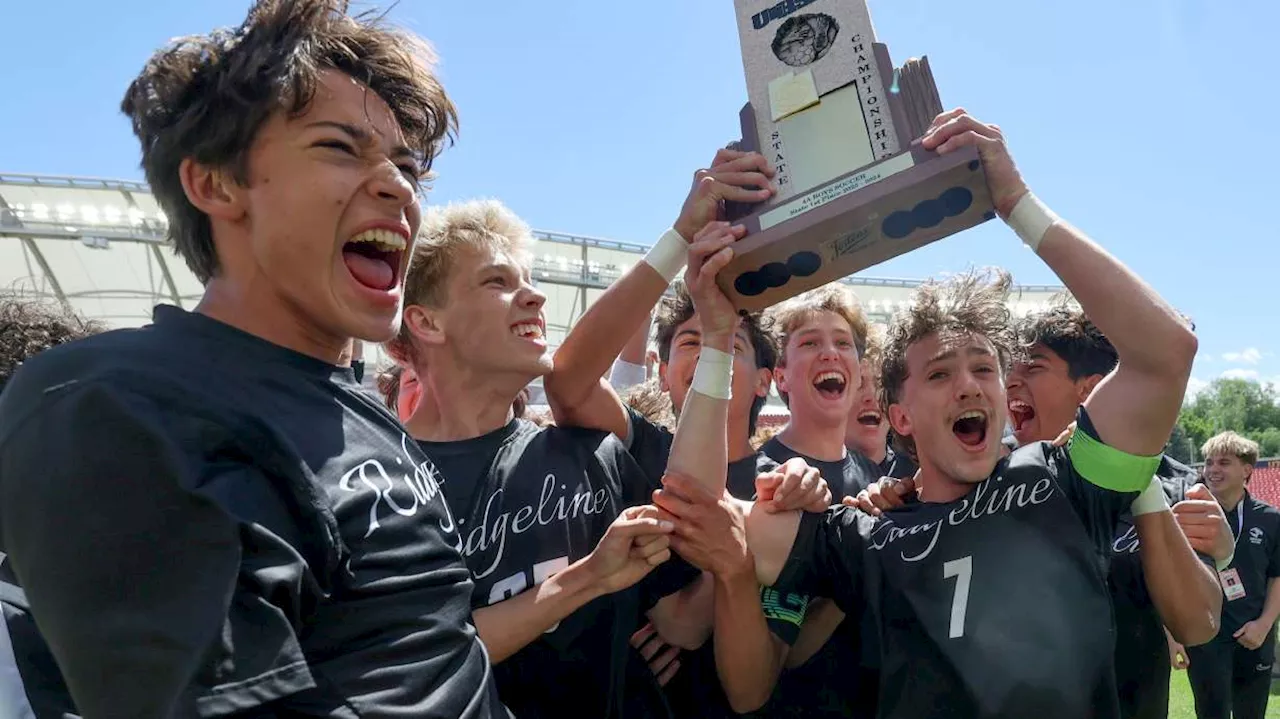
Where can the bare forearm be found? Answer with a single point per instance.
(684, 619)
(820, 622)
(748, 657)
(1185, 591)
(1148, 334)
(636, 347)
(600, 335)
(509, 626)
(1271, 609)
(700, 450)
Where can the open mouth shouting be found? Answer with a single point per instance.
(374, 256)
(530, 330)
(870, 418)
(830, 384)
(971, 429)
(1021, 414)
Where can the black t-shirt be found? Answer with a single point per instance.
(845, 477)
(226, 524)
(695, 690)
(1256, 526)
(1142, 652)
(822, 685)
(993, 605)
(898, 466)
(28, 669)
(530, 501)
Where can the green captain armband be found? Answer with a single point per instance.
(1107, 467)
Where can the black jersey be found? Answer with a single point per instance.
(1256, 526)
(993, 605)
(206, 523)
(822, 685)
(31, 684)
(897, 465)
(845, 477)
(1142, 652)
(695, 690)
(530, 501)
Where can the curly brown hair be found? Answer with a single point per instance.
(964, 305)
(206, 97)
(650, 402)
(1065, 329)
(30, 325)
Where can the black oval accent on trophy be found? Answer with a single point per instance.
(974, 164)
(898, 225)
(928, 213)
(749, 284)
(775, 274)
(804, 263)
(956, 200)
(989, 215)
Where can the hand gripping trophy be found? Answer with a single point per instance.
(841, 126)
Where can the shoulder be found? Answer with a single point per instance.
(1263, 508)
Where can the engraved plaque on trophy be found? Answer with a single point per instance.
(841, 125)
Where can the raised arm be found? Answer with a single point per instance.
(1135, 407)
(576, 389)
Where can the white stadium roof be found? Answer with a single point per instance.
(99, 246)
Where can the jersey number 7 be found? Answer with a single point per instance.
(962, 570)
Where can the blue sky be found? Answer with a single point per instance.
(1145, 122)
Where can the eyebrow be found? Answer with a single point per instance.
(951, 354)
(361, 136)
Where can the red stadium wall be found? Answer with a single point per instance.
(1265, 483)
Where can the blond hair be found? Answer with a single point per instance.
(834, 297)
(475, 225)
(1231, 444)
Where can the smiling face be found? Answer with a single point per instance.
(676, 374)
(819, 370)
(492, 321)
(322, 226)
(1042, 396)
(952, 404)
(1226, 474)
(868, 430)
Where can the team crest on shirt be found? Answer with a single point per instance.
(1255, 535)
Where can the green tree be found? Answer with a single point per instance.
(1240, 405)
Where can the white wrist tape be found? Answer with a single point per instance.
(714, 374)
(1151, 500)
(1222, 564)
(668, 255)
(1030, 219)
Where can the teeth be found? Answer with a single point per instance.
(386, 240)
(971, 414)
(828, 375)
(1018, 405)
(527, 329)
(872, 415)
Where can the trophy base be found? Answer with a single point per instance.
(857, 220)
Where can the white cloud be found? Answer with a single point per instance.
(1238, 373)
(1195, 386)
(1249, 355)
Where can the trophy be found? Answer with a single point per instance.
(841, 126)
